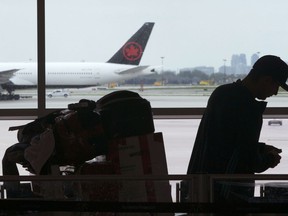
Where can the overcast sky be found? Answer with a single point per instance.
(187, 33)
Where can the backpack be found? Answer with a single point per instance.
(125, 113)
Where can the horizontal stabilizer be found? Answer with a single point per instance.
(133, 70)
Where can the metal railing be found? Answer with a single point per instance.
(201, 202)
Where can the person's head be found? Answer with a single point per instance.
(268, 74)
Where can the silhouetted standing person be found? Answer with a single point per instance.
(227, 141)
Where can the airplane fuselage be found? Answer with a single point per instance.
(72, 74)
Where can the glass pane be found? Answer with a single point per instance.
(193, 47)
(18, 54)
(179, 136)
(9, 138)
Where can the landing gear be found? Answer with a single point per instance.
(10, 95)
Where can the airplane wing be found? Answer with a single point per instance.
(132, 70)
(6, 75)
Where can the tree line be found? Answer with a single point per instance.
(184, 77)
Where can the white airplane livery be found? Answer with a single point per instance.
(123, 65)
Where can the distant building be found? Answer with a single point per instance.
(254, 58)
(238, 64)
(226, 70)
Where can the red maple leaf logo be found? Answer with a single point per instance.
(132, 51)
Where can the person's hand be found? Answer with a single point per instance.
(269, 148)
(273, 155)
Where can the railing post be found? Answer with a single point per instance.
(199, 188)
(199, 191)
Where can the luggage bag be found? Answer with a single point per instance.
(125, 113)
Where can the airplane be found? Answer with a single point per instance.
(123, 65)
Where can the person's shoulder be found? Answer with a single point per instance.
(228, 88)
(232, 91)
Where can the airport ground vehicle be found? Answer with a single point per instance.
(58, 93)
(275, 122)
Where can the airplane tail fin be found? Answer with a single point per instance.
(131, 52)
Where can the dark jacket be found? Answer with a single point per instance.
(227, 141)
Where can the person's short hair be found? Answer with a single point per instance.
(273, 66)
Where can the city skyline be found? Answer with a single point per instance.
(237, 64)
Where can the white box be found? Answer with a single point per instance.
(140, 156)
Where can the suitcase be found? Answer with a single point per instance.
(125, 113)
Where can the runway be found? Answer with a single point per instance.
(158, 97)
